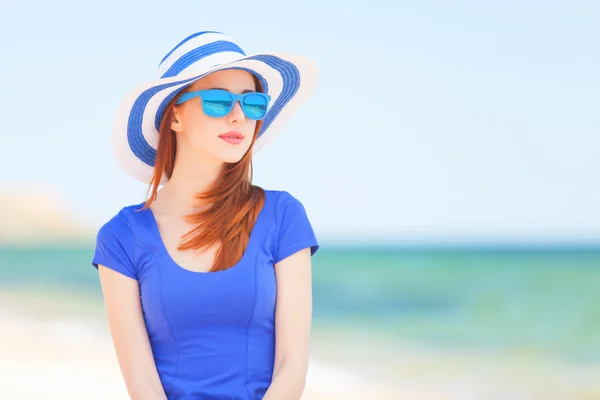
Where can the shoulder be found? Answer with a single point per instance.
(122, 221)
(282, 199)
(121, 226)
(116, 243)
(293, 228)
(286, 208)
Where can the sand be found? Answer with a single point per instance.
(74, 359)
(71, 357)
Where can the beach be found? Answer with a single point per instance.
(69, 358)
(427, 325)
(50, 356)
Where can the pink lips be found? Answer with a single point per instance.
(233, 137)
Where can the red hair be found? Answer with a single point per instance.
(235, 202)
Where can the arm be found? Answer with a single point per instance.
(129, 335)
(293, 317)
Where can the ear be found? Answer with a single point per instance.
(176, 120)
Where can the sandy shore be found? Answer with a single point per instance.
(64, 358)
(70, 356)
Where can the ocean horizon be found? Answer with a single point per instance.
(503, 297)
(401, 314)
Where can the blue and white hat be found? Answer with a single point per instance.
(287, 78)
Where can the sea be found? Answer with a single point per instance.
(371, 304)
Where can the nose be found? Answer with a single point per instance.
(236, 114)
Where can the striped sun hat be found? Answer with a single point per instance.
(287, 78)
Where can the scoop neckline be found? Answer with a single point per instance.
(165, 251)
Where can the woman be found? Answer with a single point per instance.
(207, 284)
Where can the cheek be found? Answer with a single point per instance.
(199, 127)
(196, 121)
(248, 129)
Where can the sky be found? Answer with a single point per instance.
(433, 122)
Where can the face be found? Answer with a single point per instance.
(198, 133)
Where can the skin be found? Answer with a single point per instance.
(200, 155)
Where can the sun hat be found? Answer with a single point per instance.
(287, 78)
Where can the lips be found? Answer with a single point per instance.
(232, 135)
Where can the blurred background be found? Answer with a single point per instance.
(448, 162)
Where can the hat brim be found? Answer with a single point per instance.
(288, 78)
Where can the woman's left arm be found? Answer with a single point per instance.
(293, 317)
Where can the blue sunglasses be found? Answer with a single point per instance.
(218, 103)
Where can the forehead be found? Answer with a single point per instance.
(234, 80)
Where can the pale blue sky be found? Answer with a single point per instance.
(434, 121)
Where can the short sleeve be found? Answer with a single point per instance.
(295, 230)
(115, 245)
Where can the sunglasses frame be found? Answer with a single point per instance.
(235, 97)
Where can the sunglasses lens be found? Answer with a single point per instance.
(217, 103)
(255, 106)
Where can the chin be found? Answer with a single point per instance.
(231, 158)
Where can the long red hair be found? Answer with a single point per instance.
(235, 202)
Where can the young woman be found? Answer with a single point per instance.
(207, 283)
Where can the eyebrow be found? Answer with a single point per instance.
(245, 91)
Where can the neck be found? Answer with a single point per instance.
(191, 175)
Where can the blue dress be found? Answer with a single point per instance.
(212, 334)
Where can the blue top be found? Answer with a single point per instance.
(212, 333)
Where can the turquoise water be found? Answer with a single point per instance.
(536, 301)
